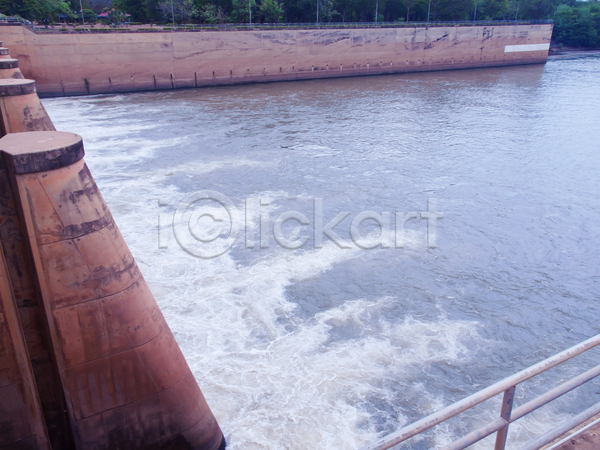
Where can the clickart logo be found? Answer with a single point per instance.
(207, 224)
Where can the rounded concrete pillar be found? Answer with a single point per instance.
(4, 52)
(21, 109)
(125, 380)
(9, 68)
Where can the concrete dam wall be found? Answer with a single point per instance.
(76, 64)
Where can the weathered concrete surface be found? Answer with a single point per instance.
(125, 381)
(20, 107)
(93, 63)
(9, 68)
(586, 440)
(21, 421)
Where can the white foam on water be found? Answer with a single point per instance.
(275, 378)
(273, 386)
(204, 167)
(106, 162)
(520, 432)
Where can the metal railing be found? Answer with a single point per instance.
(507, 414)
(19, 20)
(58, 29)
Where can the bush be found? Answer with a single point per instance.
(578, 26)
(89, 16)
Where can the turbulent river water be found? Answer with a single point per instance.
(324, 347)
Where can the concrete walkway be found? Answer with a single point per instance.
(587, 440)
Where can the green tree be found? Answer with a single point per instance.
(137, 8)
(29, 9)
(577, 22)
(184, 11)
(409, 5)
(270, 11)
(89, 16)
(116, 17)
(51, 9)
(40, 10)
(240, 11)
(212, 14)
(578, 26)
(327, 11)
(457, 9)
(100, 6)
(493, 10)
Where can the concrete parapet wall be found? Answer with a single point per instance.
(75, 64)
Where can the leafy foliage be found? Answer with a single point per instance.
(578, 25)
(89, 16)
(182, 11)
(139, 9)
(240, 11)
(211, 13)
(116, 17)
(270, 11)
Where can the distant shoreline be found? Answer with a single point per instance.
(570, 52)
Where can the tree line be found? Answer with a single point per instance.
(577, 23)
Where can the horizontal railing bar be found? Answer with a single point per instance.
(554, 393)
(562, 429)
(574, 435)
(88, 27)
(476, 435)
(474, 399)
(523, 410)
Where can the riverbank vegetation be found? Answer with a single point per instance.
(577, 23)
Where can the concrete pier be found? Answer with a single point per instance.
(9, 68)
(125, 382)
(20, 107)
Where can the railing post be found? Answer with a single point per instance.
(507, 403)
